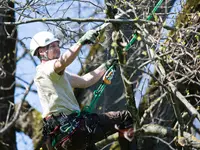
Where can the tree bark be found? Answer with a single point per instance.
(30, 123)
(7, 74)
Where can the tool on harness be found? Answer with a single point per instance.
(66, 131)
(69, 127)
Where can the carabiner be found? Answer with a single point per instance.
(108, 76)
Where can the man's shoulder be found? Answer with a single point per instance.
(47, 69)
(47, 64)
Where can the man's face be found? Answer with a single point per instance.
(53, 50)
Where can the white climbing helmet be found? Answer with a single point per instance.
(41, 39)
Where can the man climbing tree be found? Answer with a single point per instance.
(65, 125)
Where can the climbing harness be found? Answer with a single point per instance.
(60, 128)
(66, 131)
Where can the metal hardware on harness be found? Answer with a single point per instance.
(108, 76)
(66, 131)
(98, 92)
(60, 128)
(69, 127)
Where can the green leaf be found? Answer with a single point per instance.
(155, 17)
(144, 53)
(139, 38)
(198, 56)
(179, 40)
(112, 52)
(135, 19)
(187, 92)
(114, 44)
(197, 37)
(183, 43)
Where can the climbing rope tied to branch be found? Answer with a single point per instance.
(148, 18)
(111, 70)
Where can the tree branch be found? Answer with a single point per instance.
(187, 140)
(12, 122)
(192, 111)
(79, 20)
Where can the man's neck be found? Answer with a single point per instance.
(44, 61)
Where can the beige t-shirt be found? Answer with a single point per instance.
(55, 92)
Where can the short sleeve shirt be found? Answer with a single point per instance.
(55, 91)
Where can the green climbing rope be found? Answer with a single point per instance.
(148, 18)
(97, 93)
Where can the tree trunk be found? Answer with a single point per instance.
(30, 123)
(7, 74)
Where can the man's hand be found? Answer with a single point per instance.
(111, 62)
(89, 37)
